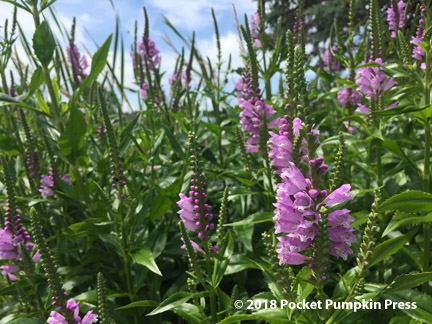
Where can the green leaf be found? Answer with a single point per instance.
(423, 304)
(238, 318)
(389, 247)
(174, 300)
(41, 103)
(16, 101)
(72, 139)
(99, 60)
(410, 201)
(396, 149)
(256, 218)
(145, 258)
(190, 313)
(36, 80)
(407, 281)
(44, 43)
(141, 303)
(402, 219)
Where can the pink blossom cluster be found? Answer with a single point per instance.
(418, 52)
(254, 109)
(330, 63)
(392, 19)
(11, 237)
(281, 144)
(373, 83)
(147, 52)
(349, 96)
(298, 213)
(48, 183)
(195, 212)
(77, 61)
(72, 307)
(254, 26)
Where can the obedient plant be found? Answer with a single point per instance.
(157, 209)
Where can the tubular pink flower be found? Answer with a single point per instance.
(344, 97)
(340, 218)
(340, 250)
(186, 212)
(330, 63)
(77, 62)
(338, 196)
(392, 19)
(342, 234)
(254, 24)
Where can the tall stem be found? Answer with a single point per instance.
(213, 309)
(427, 171)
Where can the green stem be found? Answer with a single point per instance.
(213, 309)
(427, 171)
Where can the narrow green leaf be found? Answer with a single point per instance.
(389, 247)
(145, 258)
(174, 300)
(256, 218)
(422, 312)
(405, 219)
(407, 281)
(99, 61)
(141, 303)
(410, 201)
(36, 80)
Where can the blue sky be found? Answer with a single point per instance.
(96, 20)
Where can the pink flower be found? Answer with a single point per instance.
(342, 234)
(338, 196)
(7, 270)
(391, 17)
(345, 98)
(57, 318)
(8, 249)
(340, 250)
(330, 64)
(293, 180)
(340, 218)
(186, 212)
(363, 109)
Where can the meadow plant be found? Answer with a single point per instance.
(218, 193)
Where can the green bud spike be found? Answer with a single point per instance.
(10, 188)
(368, 241)
(48, 264)
(253, 63)
(404, 48)
(241, 144)
(218, 44)
(299, 77)
(321, 249)
(220, 232)
(351, 16)
(289, 69)
(189, 249)
(27, 263)
(146, 26)
(338, 164)
(427, 35)
(104, 317)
